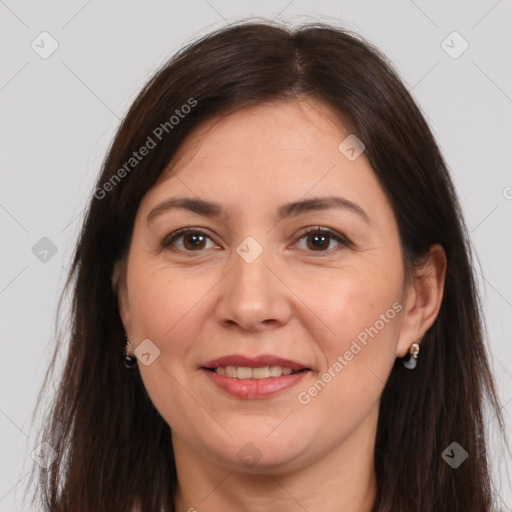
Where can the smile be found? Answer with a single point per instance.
(252, 377)
(244, 372)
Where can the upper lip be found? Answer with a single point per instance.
(254, 362)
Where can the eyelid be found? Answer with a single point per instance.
(319, 229)
(171, 237)
(335, 235)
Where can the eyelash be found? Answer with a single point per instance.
(166, 242)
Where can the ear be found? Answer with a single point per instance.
(120, 289)
(422, 298)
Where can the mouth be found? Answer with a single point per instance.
(254, 377)
(246, 373)
(264, 366)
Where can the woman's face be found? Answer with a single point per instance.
(254, 281)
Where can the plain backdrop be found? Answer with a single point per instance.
(59, 111)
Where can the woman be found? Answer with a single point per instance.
(275, 247)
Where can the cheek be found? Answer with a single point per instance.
(352, 302)
(362, 310)
(163, 310)
(162, 307)
(358, 356)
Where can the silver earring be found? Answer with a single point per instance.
(410, 362)
(128, 360)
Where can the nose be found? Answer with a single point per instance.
(254, 296)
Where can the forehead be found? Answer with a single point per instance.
(266, 155)
(299, 129)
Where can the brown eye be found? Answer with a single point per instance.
(320, 239)
(192, 240)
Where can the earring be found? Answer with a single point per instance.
(410, 362)
(129, 360)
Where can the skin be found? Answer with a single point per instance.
(295, 301)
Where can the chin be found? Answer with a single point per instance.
(255, 453)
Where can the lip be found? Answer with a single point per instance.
(254, 362)
(254, 388)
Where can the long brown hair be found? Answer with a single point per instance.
(114, 450)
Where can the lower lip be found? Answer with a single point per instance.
(254, 388)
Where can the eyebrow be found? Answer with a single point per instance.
(211, 209)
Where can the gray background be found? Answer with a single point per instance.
(58, 116)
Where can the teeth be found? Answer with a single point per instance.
(260, 373)
(243, 372)
(275, 371)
